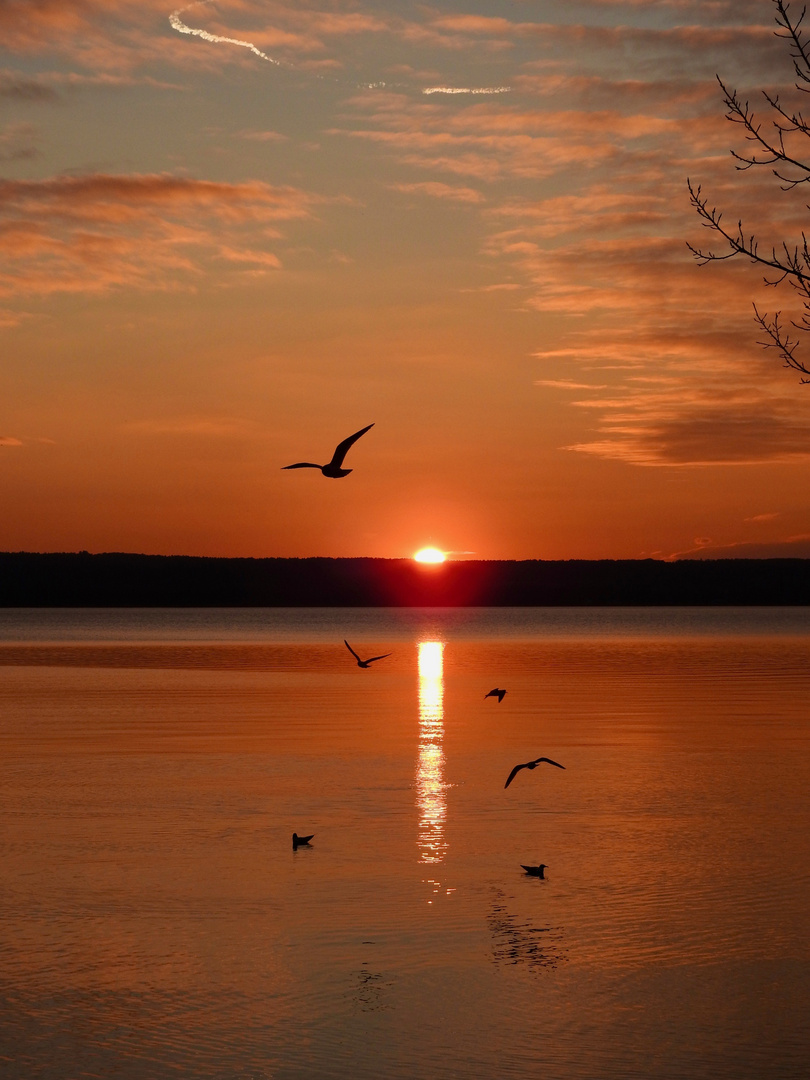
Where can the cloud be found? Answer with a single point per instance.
(500, 286)
(9, 440)
(794, 547)
(10, 319)
(20, 87)
(437, 190)
(488, 156)
(758, 518)
(567, 384)
(260, 136)
(674, 429)
(100, 231)
(17, 142)
(48, 87)
(733, 10)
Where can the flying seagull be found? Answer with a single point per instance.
(535, 871)
(530, 765)
(334, 468)
(364, 663)
(299, 841)
(499, 694)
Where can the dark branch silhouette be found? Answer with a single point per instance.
(772, 144)
(334, 468)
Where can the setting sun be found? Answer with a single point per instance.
(430, 555)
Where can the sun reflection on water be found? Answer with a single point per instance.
(431, 799)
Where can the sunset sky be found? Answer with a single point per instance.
(220, 258)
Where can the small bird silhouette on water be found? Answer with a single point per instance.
(333, 468)
(535, 871)
(530, 765)
(364, 663)
(301, 841)
(499, 694)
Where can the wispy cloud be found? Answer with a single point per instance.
(101, 231)
(261, 136)
(436, 190)
(567, 384)
(19, 87)
(18, 142)
(760, 518)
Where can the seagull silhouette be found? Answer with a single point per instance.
(530, 765)
(364, 663)
(333, 468)
(499, 694)
(535, 871)
(301, 841)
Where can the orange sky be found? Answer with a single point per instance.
(213, 265)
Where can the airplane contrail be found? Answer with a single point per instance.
(467, 90)
(177, 24)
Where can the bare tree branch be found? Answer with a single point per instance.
(773, 147)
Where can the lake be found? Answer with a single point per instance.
(155, 920)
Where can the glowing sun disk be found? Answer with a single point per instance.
(430, 554)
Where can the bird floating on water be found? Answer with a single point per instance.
(535, 871)
(364, 663)
(499, 694)
(333, 468)
(530, 765)
(301, 841)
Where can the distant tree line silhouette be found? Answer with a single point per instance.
(123, 580)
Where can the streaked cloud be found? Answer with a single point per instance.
(434, 189)
(567, 384)
(760, 518)
(99, 231)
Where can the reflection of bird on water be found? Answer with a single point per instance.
(530, 765)
(535, 871)
(518, 942)
(499, 694)
(333, 468)
(364, 663)
(301, 841)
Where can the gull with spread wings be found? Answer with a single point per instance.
(333, 468)
(530, 765)
(364, 663)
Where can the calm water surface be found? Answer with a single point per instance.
(155, 922)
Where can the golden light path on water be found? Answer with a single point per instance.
(431, 799)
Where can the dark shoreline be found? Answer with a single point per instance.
(126, 580)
